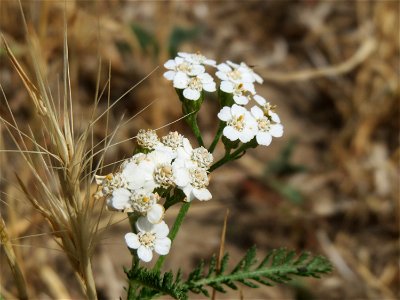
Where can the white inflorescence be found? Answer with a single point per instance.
(147, 139)
(137, 186)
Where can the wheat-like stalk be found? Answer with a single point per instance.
(62, 166)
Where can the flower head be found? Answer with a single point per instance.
(189, 157)
(266, 129)
(174, 140)
(149, 237)
(197, 58)
(240, 124)
(109, 183)
(235, 75)
(246, 69)
(267, 108)
(192, 86)
(180, 65)
(147, 139)
(193, 182)
(241, 91)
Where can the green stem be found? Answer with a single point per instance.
(192, 120)
(230, 156)
(174, 231)
(135, 260)
(217, 136)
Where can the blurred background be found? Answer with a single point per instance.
(330, 185)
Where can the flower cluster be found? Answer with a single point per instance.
(259, 123)
(187, 71)
(162, 166)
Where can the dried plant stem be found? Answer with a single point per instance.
(12, 260)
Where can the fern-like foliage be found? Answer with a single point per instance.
(277, 267)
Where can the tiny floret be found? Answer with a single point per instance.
(174, 140)
(147, 139)
(149, 237)
(197, 58)
(192, 86)
(266, 127)
(180, 65)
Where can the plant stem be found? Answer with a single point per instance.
(217, 136)
(230, 156)
(89, 282)
(174, 231)
(135, 261)
(192, 120)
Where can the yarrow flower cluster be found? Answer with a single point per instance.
(164, 171)
(187, 71)
(259, 123)
(148, 176)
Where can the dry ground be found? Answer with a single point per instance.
(331, 67)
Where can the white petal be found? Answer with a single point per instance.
(202, 194)
(221, 75)
(276, 130)
(225, 114)
(260, 100)
(205, 78)
(249, 87)
(257, 112)
(132, 240)
(187, 146)
(120, 198)
(170, 64)
(246, 135)
(169, 75)
(224, 67)
(155, 214)
(162, 246)
(188, 191)
(181, 80)
(263, 138)
(196, 70)
(149, 186)
(142, 224)
(184, 54)
(275, 117)
(179, 60)
(182, 177)
(231, 133)
(258, 78)
(145, 254)
(161, 230)
(238, 110)
(210, 87)
(191, 94)
(227, 86)
(232, 64)
(210, 62)
(242, 100)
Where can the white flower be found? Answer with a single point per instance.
(180, 65)
(189, 157)
(109, 183)
(140, 201)
(147, 139)
(267, 108)
(119, 200)
(192, 86)
(155, 171)
(197, 58)
(245, 68)
(241, 91)
(266, 129)
(239, 123)
(149, 237)
(193, 182)
(146, 203)
(235, 75)
(173, 140)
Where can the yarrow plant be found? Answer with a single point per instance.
(171, 170)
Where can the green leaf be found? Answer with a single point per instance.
(279, 266)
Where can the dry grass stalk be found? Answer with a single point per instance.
(62, 167)
(12, 260)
